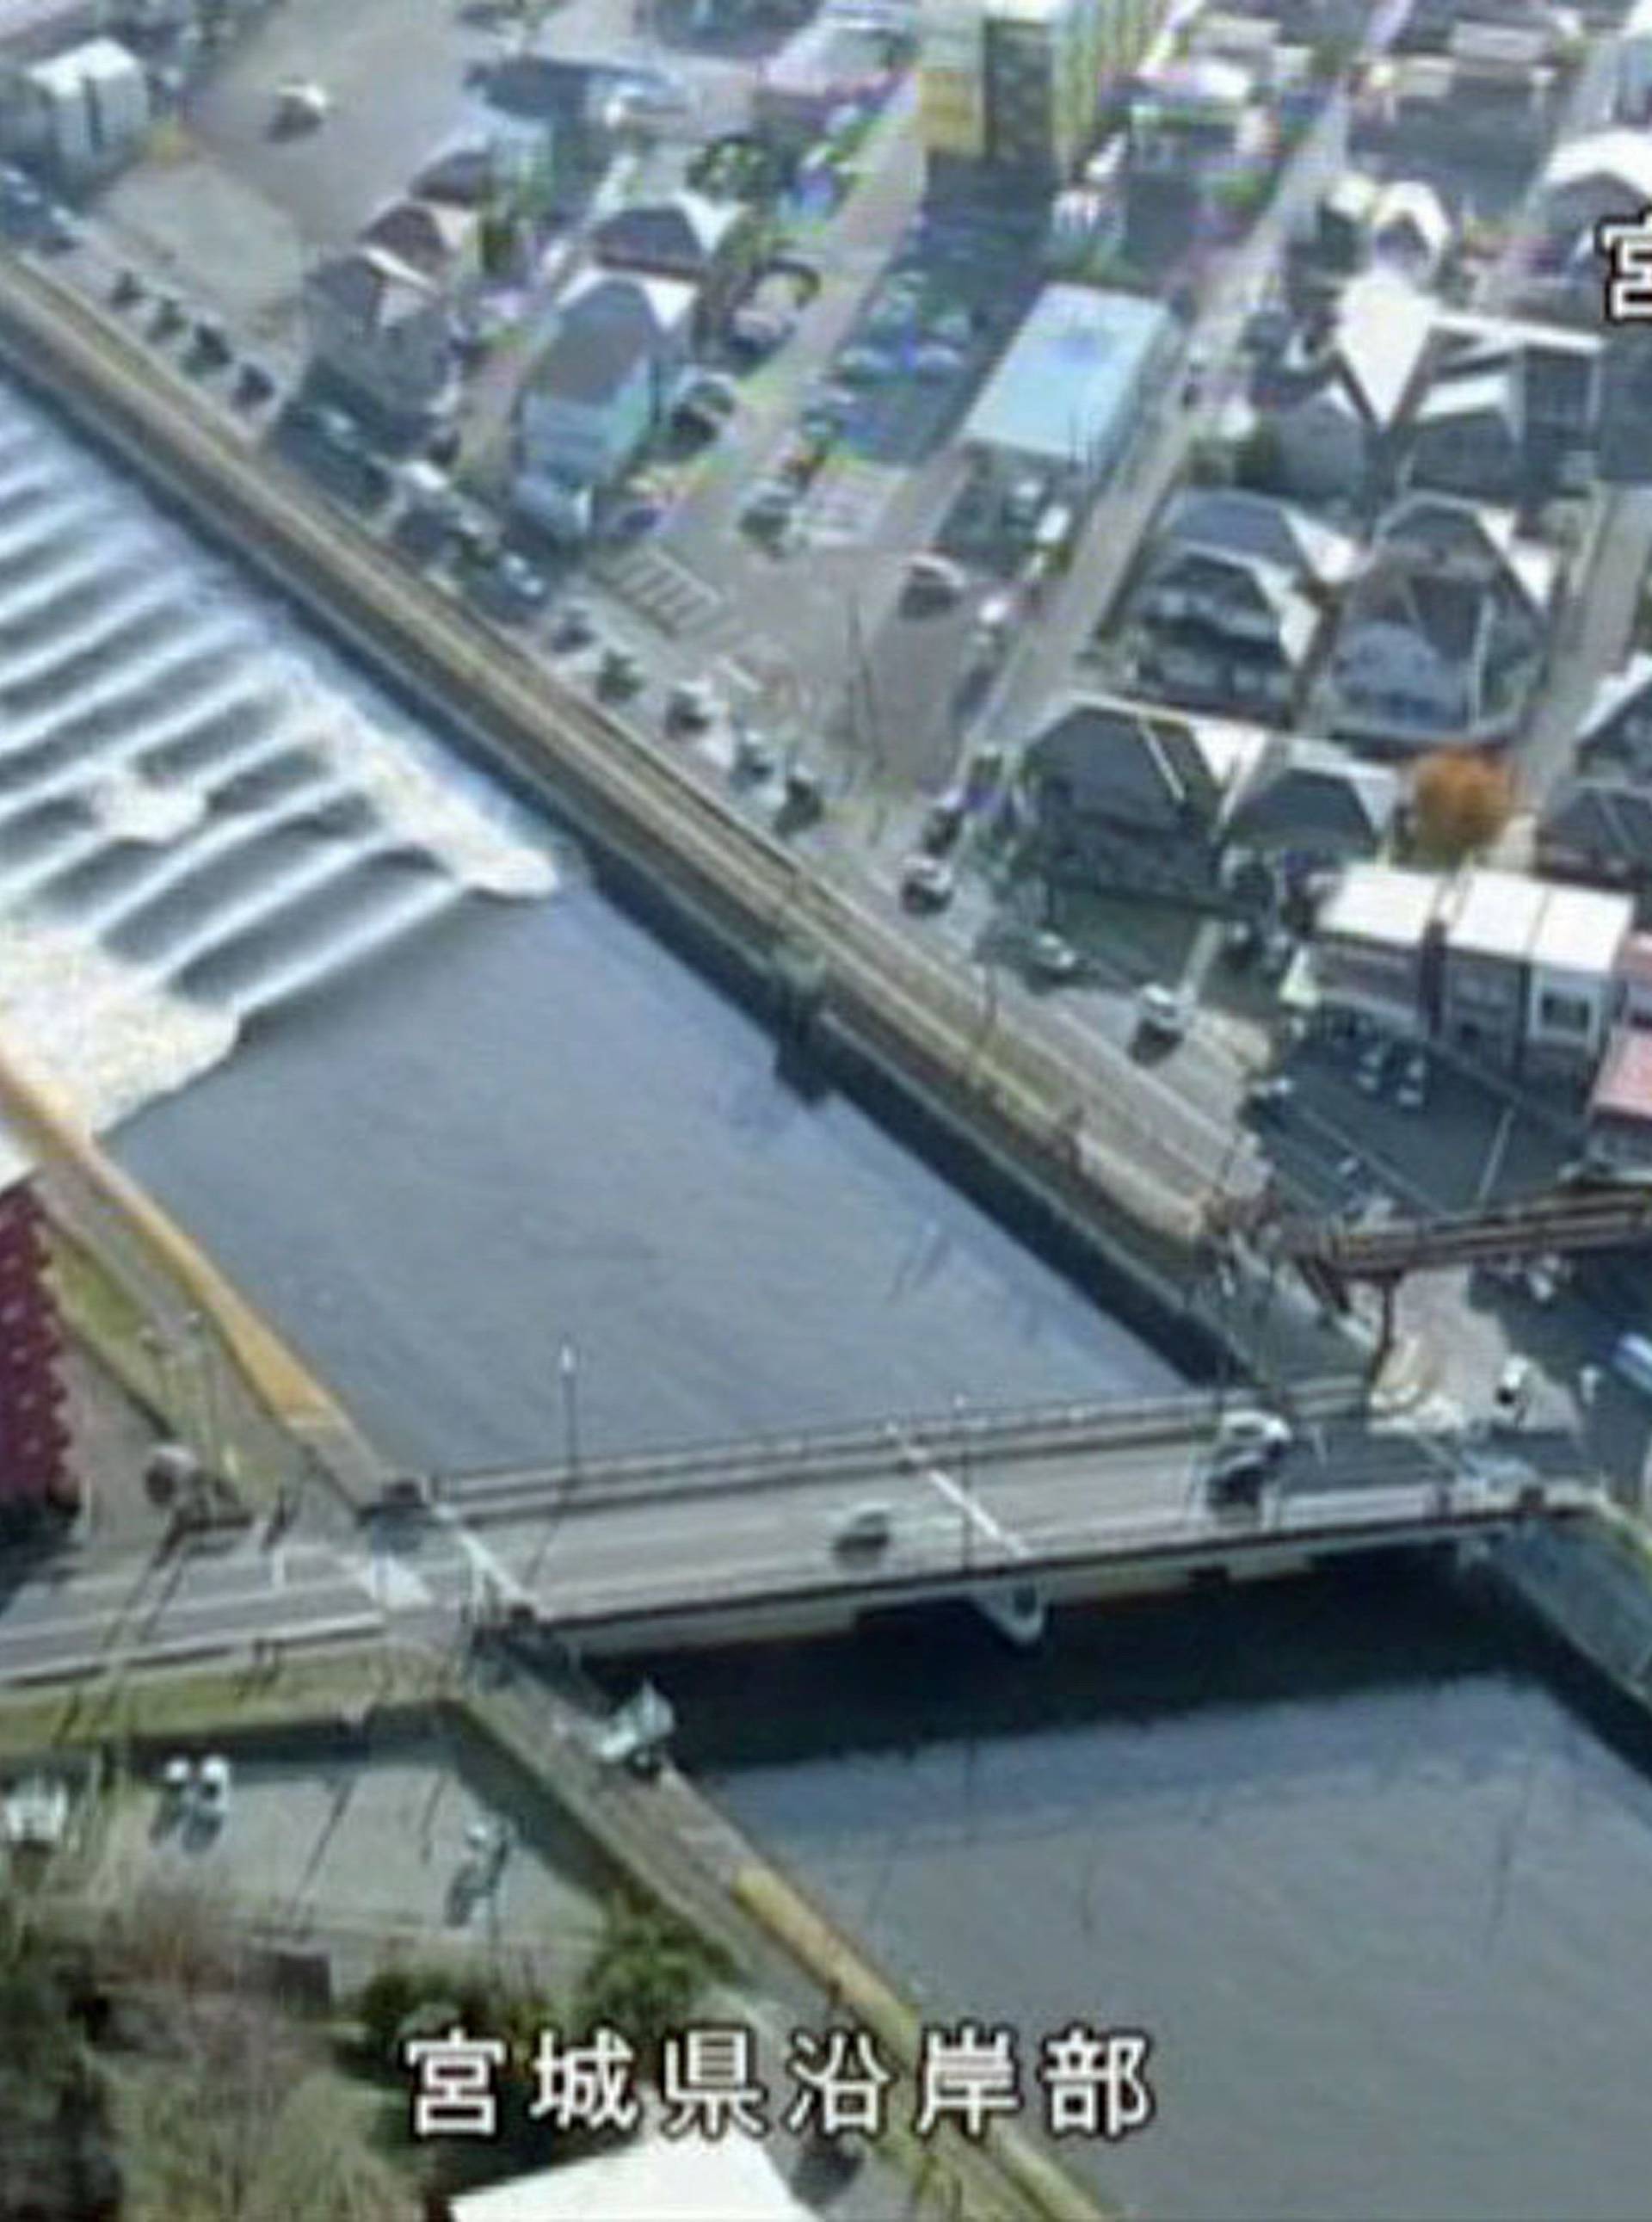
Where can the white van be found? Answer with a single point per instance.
(1632, 1361)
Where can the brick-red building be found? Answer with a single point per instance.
(34, 1434)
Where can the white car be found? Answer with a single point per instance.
(1511, 1399)
(1160, 1010)
(865, 365)
(1251, 1429)
(926, 883)
(935, 360)
(1412, 1093)
(1052, 957)
(212, 1791)
(692, 704)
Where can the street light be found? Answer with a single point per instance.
(959, 1409)
(568, 1375)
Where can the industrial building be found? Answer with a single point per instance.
(1015, 87)
(1065, 397)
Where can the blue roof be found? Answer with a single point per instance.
(1069, 374)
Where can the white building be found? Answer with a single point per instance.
(87, 110)
(597, 392)
(1521, 972)
(1634, 90)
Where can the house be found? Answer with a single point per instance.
(829, 65)
(1409, 231)
(1225, 630)
(1342, 221)
(1444, 637)
(85, 111)
(381, 330)
(1616, 734)
(1575, 990)
(1635, 981)
(1519, 972)
(1620, 1102)
(1538, 382)
(1311, 805)
(1122, 796)
(1486, 923)
(1233, 522)
(1600, 831)
(441, 240)
(1603, 173)
(598, 392)
(1373, 956)
(1467, 436)
(712, 245)
(1337, 429)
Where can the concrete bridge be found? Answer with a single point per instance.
(1013, 1512)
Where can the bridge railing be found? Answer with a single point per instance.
(880, 1446)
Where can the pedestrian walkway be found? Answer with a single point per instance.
(661, 588)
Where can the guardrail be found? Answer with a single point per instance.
(621, 788)
(766, 1462)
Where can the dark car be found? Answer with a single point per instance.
(1238, 1478)
(253, 385)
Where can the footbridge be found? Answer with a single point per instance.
(1567, 1221)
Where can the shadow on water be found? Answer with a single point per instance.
(943, 1676)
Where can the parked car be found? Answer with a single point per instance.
(1372, 1069)
(1052, 957)
(935, 362)
(692, 705)
(1271, 1098)
(212, 1791)
(769, 508)
(935, 579)
(1412, 1093)
(1162, 1011)
(619, 674)
(1511, 1399)
(943, 821)
(211, 343)
(1024, 501)
(866, 366)
(574, 626)
(1241, 942)
(254, 385)
(126, 289)
(926, 883)
(805, 798)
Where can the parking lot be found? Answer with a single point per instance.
(421, 1845)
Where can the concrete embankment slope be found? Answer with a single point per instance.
(1099, 1153)
(181, 1276)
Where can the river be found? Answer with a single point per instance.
(1351, 1855)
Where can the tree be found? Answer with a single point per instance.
(645, 1977)
(1461, 802)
